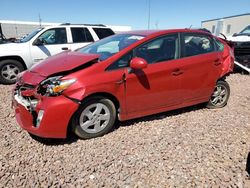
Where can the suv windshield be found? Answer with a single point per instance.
(110, 46)
(31, 35)
(246, 31)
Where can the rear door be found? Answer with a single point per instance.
(201, 65)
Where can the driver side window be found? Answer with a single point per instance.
(54, 36)
(159, 50)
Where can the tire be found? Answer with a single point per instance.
(94, 118)
(9, 69)
(220, 95)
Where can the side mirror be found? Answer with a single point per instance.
(39, 42)
(138, 63)
(234, 34)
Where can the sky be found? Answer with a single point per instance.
(164, 14)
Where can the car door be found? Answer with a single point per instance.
(200, 64)
(80, 37)
(157, 86)
(50, 42)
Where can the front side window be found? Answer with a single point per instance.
(81, 35)
(195, 44)
(110, 46)
(219, 45)
(54, 36)
(158, 50)
(103, 32)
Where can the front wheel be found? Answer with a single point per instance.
(220, 95)
(94, 118)
(9, 69)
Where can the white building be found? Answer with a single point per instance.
(17, 29)
(227, 25)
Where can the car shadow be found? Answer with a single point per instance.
(71, 138)
(161, 115)
(248, 165)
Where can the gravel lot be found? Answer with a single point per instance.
(191, 147)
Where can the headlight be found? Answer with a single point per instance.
(54, 86)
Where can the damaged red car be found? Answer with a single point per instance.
(122, 77)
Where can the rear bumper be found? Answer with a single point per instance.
(56, 117)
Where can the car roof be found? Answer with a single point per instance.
(159, 32)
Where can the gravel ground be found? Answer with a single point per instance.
(191, 147)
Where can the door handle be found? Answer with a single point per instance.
(65, 48)
(217, 62)
(177, 72)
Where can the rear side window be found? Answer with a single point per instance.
(195, 44)
(103, 32)
(81, 35)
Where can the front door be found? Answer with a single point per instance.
(158, 85)
(53, 41)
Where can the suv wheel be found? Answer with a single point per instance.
(220, 95)
(94, 118)
(9, 69)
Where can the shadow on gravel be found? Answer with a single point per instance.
(248, 164)
(54, 142)
(72, 138)
(161, 115)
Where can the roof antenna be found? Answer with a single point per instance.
(190, 26)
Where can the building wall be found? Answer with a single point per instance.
(17, 29)
(230, 25)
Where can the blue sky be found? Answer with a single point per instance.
(164, 13)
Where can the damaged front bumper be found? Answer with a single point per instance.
(42, 116)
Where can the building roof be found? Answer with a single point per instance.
(247, 14)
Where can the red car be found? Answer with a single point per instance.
(124, 76)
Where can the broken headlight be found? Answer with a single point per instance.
(54, 86)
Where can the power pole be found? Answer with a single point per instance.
(40, 20)
(149, 9)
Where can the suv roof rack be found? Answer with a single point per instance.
(84, 24)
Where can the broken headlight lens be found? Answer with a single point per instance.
(54, 86)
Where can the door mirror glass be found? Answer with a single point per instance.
(138, 63)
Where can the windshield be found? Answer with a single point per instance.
(31, 35)
(110, 46)
(246, 30)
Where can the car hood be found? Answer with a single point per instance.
(240, 38)
(63, 62)
(6, 48)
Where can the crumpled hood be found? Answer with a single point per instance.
(62, 62)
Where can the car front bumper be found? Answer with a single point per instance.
(57, 112)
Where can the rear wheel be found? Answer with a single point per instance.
(9, 69)
(220, 95)
(94, 118)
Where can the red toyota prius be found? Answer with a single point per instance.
(122, 77)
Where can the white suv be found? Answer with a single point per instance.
(44, 42)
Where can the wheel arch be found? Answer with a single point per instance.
(97, 94)
(17, 58)
(104, 95)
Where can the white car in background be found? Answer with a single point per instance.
(45, 42)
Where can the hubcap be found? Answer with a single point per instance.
(94, 118)
(219, 96)
(10, 72)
